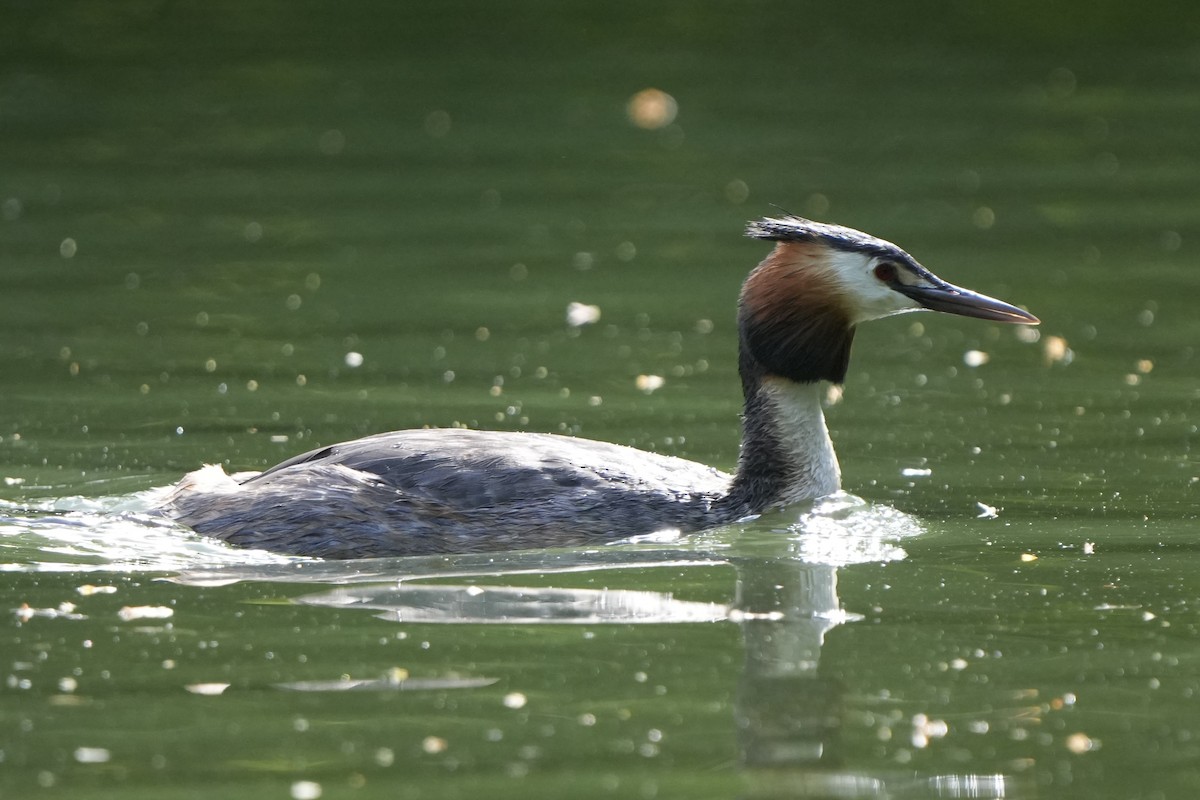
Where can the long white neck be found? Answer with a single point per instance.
(787, 455)
(799, 424)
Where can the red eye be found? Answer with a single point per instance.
(886, 272)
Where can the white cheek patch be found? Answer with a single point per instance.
(867, 297)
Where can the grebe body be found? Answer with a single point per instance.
(449, 490)
(453, 490)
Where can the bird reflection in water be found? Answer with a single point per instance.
(788, 714)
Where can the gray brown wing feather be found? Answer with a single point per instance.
(434, 491)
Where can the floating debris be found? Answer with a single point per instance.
(87, 590)
(129, 613)
(580, 314)
(434, 745)
(1080, 743)
(986, 511)
(92, 755)
(1056, 351)
(652, 109)
(207, 689)
(396, 680)
(306, 790)
(976, 358)
(1065, 701)
(925, 729)
(25, 612)
(649, 383)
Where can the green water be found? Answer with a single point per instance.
(208, 207)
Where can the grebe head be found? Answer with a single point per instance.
(799, 307)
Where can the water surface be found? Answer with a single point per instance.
(232, 233)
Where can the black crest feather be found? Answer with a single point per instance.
(798, 229)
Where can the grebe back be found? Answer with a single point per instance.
(449, 490)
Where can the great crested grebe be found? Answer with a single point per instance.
(451, 491)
